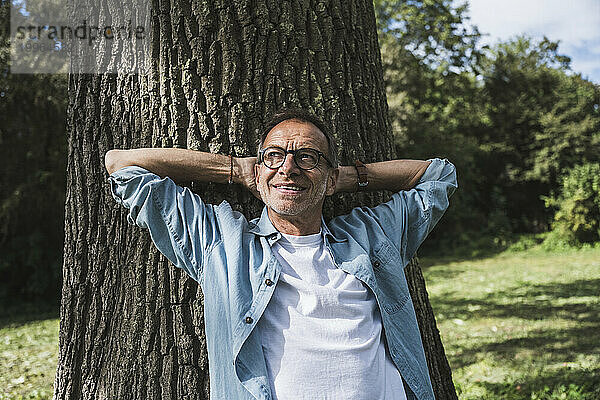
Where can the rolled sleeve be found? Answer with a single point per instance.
(180, 224)
(411, 215)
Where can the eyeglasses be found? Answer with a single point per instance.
(305, 159)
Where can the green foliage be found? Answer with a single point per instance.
(426, 49)
(429, 53)
(520, 79)
(510, 118)
(525, 242)
(541, 122)
(577, 219)
(569, 133)
(433, 32)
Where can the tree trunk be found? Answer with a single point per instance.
(131, 324)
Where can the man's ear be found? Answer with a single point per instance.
(332, 181)
(256, 173)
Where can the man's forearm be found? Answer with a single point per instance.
(181, 165)
(394, 175)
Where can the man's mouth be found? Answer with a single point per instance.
(289, 188)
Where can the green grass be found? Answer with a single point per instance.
(521, 324)
(28, 350)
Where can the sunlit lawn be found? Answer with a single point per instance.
(520, 325)
(28, 350)
(515, 326)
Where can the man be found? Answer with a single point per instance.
(295, 308)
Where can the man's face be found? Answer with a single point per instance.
(289, 190)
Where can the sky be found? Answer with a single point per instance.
(576, 23)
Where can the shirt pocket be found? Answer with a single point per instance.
(389, 274)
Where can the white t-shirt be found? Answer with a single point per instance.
(321, 332)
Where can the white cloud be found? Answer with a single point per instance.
(585, 61)
(576, 23)
(570, 21)
(589, 69)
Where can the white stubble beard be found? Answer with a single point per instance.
(294, 208)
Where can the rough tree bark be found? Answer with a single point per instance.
(131, 324)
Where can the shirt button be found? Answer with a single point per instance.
(268, 282)
(249, 320)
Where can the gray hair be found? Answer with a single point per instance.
(304, 116)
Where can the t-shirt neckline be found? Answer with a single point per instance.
(304, 240)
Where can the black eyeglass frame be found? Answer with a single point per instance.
(293, 153)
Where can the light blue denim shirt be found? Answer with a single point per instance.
(232, 260)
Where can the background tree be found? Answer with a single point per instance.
(431, 62)
(521, 78)
(511, 118)
(131, 325)
(577, 220)
(569, 132)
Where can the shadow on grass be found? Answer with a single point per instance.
(471, 249)
(553, 345)
(558, 384)
(428, 261)
(16, 311)
(576, 301)
(441, 273)
(465, 254)
(529, 302)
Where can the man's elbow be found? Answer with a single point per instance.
(112, 160)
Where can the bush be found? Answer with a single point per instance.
(577, 219)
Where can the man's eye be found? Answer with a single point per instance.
(307, 157)
(274, 154)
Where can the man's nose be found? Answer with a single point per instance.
(289, 165)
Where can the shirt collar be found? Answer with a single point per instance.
(264, 227)
(327, 232)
